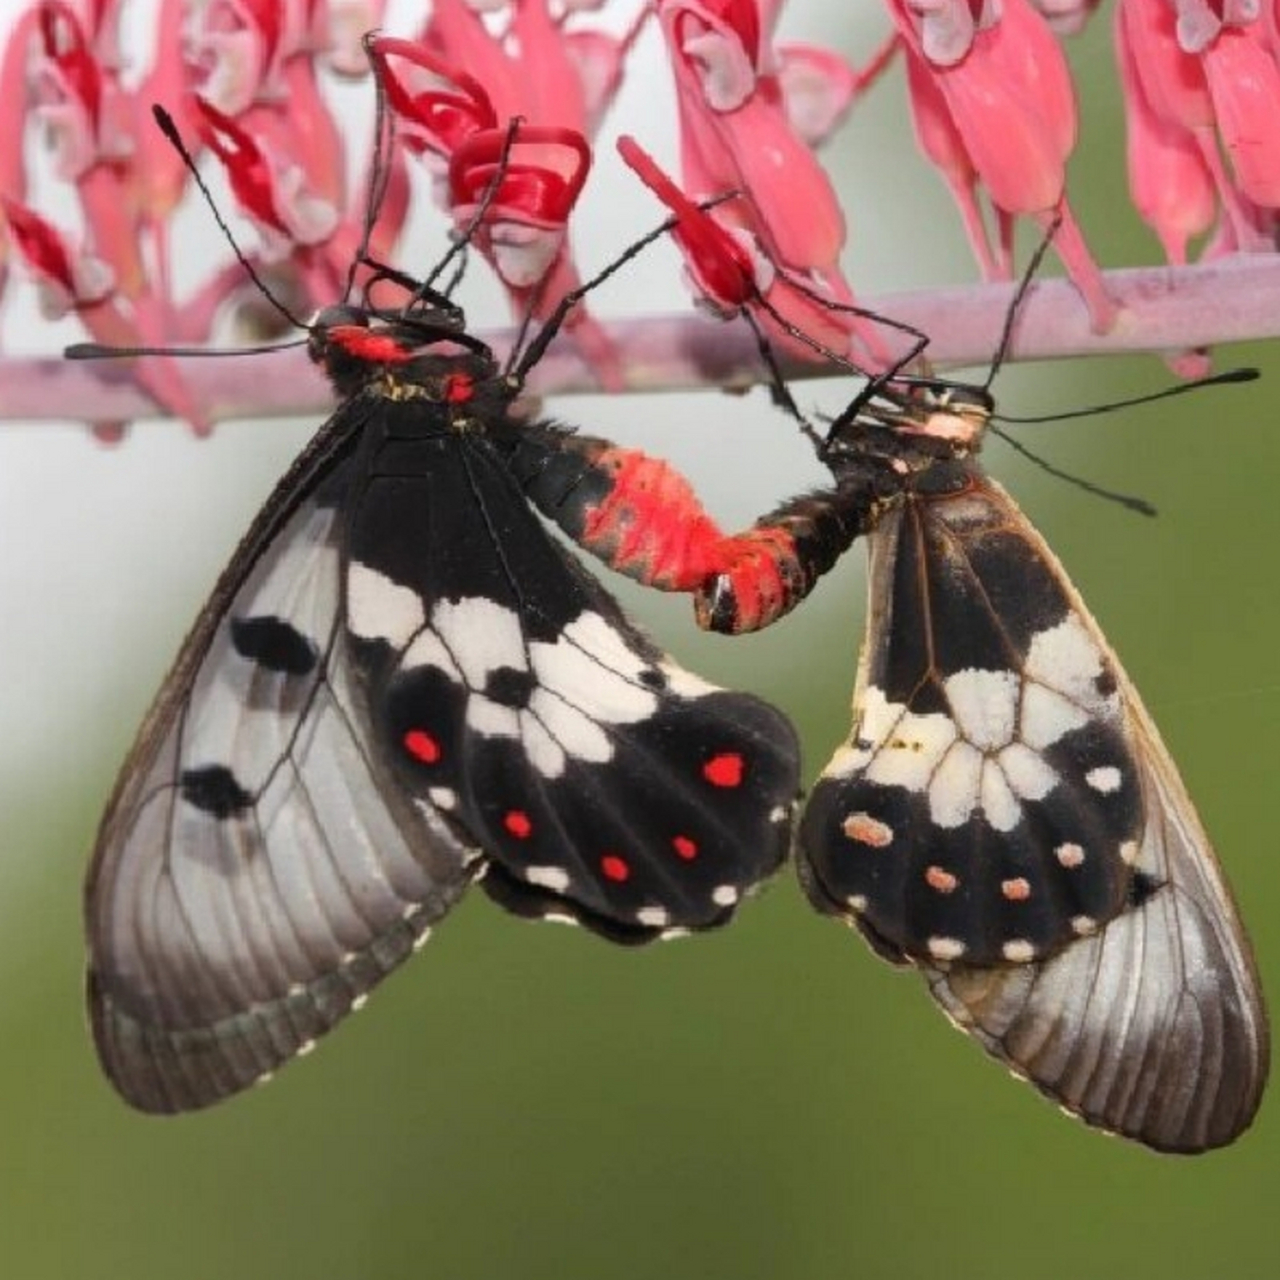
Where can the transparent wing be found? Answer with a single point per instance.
(1153, 1028)
(255, 875)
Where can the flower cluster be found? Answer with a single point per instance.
(251, 84)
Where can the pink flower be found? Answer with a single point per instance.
(75, 96)
(268, 188)
(730, 271)
(539, 177)
(735, 134)
(68, 277)
(994, 104)
(1199, 74)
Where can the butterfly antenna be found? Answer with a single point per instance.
(487, 197)
(379, 171)
(1166, 393)
(1019, 296)
(537, 348)
(170, 130)
(1130, 503)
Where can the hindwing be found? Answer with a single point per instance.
(606, 784)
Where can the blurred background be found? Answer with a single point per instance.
(525, 1100)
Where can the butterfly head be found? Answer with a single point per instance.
(420, 349)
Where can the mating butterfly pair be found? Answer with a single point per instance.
(401, 685)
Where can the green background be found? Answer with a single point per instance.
(527, 1101)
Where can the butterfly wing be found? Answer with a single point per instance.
(257, 871)
(606, 785)
(1006, 817)
(1153, 1028)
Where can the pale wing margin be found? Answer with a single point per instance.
(1154, 1027)
(223, 943)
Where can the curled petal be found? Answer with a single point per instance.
(718, 42)
(540, 174)
(73, 98)
(440, 105)
(347, 22)
(272, 193)
(67, 277)
(818, 88)
(1067, 17)
(947, 27)
(531, 184)
(235, 49)
(722, 269)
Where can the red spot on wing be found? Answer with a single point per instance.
(615, 868)
(1016, 890)
(724, 770)
(422, 746)
(940, 879)
(518, 824)
(685, 847)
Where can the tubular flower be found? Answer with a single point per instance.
(1203, 79)
(995, 85)
(253, 85)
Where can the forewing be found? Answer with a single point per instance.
(255, 874)
(606, 785)
(1145, 1017)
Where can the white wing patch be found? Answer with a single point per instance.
(586, 679)
(986, 756)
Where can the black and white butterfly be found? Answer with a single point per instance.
(402, 685)
(1004, 815)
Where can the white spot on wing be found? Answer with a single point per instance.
(554, 878)
(491, 718)
(1069, 854)
(1019, 951)
(428, 650)
(953, 794)
(1026, 772)
(684, 683)
(1105, 779)
(1047, 716)
(379, 609)
(724, 895)
(653, 917)
(1066, 658)
(984, 704)
(906, 748)
(443, 797)
(482, 635)
(590, 668)
(999, 805)
(945, 948)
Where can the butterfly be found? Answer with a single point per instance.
(401, 685)
(1004, 815)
